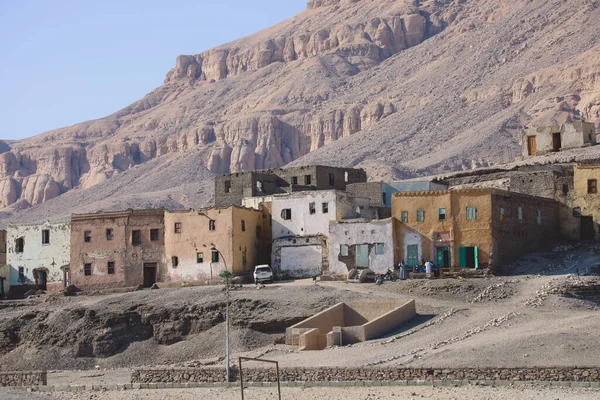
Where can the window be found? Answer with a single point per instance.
(21, 274)
(379, 248)
(471, 213)
(502, 214)
(212, 225)
(384, 198)
(346, 176)
(307, 179)
(154, 235)
(215, 256)
(175, 261)
(259, 186)
(325, 207)
(228, 186)
(442, 214)
(110, 267)
(19, 245)
(404, 216)
(110, 234)
(312, 209)
(294, 180)
(343, 250)
(286, 213)
(420, 215)
(592, 186)
(199, 258)
(177, 227)
(46, 236)
(258, 231)
(538, 217)
(243, 257)
(87, 269)
(87, 236)
(331, 179)
(520, 213)
(136, 237)
(243, 226)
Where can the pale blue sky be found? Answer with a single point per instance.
(68, 61)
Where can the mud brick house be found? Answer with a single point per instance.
(359, 244)
(4, 271)
(300, 229)
(231, 189)
(471, 228)
(241, 237)
(585, 199)
(38, 256)
(548, 139)
(121, 248)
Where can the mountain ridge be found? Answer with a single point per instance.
(340, 84)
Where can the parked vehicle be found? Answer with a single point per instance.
(390, 276)
(263, 273)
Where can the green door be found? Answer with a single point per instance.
(476, 257)
(462, 257)
(443, 256)
(362, 256)
(413, 255)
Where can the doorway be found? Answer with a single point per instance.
(67, 277)
(362, 256)
(42, 279)
(531, 145)
(412, 256)
(468, 257)
(149, 274)
(587, 231)
(443, 256)
(556, 141)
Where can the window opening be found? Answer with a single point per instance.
(199, 258)
(343, 250)
(325, 207)
(307, 179)
(228, 186)
(404, 216)
(154, 235)
(379, 248)
(136, 237)
(175, 261)
(312, 209)
(471, 213)
(110, 234)
(592, 186)
(294, 180)
(212, 225)
(331, 179)
(243, 226)
(420, 215)
(46, 236)
(110, 267)
(177, 227)
(215, 256)
(87, 269)
(442, 214)
(286, 213)
(87, 236)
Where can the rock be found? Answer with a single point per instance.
(154, 286)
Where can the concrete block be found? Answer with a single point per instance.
(111, 387)
(177, 385)
(161, 385)
(135, 386)
(62, 388)
(46, 388)
(594, 384)
(77, 388)
(153, 386)
(144, 385)
(580, 384)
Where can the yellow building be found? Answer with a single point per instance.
(585, 198)
(200, 244)
(475, 228)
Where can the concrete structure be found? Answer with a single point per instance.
(584, 200)
(380, 193)
(300, 229)
(548, 139)
(475, 228)
(361, 244)
(231, 189)
(350, 323)
(38, 256)
(121, 248)
(241, 235)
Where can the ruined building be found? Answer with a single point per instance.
(200, 244)
(230, 190)
(548, 139)
(121, 248)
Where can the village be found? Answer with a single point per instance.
(319, 221)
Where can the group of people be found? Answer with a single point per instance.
(403, 267)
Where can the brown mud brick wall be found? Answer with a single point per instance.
(23, 378)
(376, 374)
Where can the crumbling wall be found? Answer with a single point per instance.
(300, 256)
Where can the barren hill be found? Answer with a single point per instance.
(401, 88)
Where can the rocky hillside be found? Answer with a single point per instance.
(401, 88)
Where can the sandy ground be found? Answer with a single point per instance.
(409, 393)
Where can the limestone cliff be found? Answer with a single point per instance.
(399, 87)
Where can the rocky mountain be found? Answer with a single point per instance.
(401, 88)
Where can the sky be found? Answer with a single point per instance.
(69, 61)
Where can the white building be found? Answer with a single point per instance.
(300, 229)
(361, 243)
(37, 255)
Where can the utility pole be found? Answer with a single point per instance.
(225, 274)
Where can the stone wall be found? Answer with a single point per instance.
(546, 374)
(23, 378)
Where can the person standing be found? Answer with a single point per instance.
(429, 269)
(403, 271)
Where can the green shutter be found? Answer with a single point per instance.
(462, 257)
(476, 257)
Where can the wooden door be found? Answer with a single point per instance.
(412, 257)
(149, 274)
(532, 145)
(362, 256)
